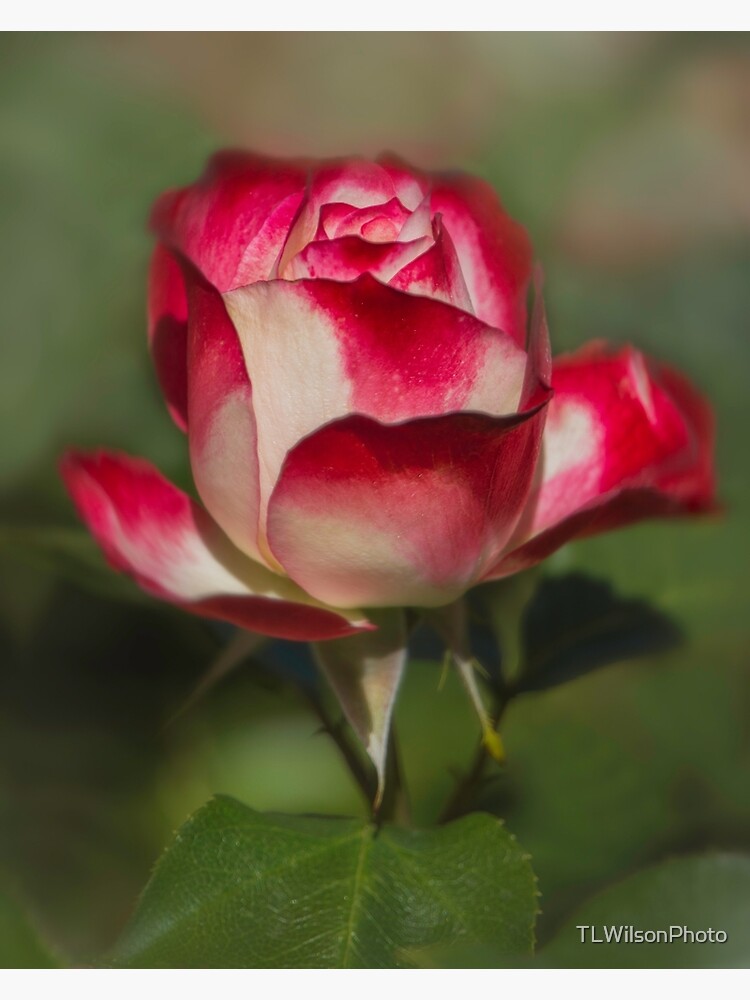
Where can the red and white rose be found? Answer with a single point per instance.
(372, 422)
(369, 424)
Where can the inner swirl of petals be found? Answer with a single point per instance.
(376, 223)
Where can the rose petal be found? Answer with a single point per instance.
(223, 436)
(411, 185)
(356, 183)
(168, 543)
(691, 476)
(167, 331)
(349, 257)
(436, 273)
(317, 350)
(538, 378)
(233, 222)
(616, 509)
(419, 223)
(493, 250)
(622, 442)
(378, 223)
(404, 514)
(607, 424)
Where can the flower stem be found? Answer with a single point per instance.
(463, 798)
(395, 806)
(364, 776)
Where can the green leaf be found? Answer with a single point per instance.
(239, 888)
(20, 947)
(576, 624)
(696, 893)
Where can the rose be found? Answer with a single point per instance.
(369, 426)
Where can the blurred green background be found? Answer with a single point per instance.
(628, 158)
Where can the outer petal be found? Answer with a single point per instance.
(690, 477)
(223, 437)
(167, 330)
(622, 442)
(494, 251)
(615, 509)
(317, 350)
(169, 544)
(406, 514)
(233, 222)
(538, 379)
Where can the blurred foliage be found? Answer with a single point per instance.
(693, 893)
(575, 624)
(20, 947)
(628, 158)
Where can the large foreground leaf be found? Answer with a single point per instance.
(239, 888)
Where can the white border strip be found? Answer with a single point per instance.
(386, 15)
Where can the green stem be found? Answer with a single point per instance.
(364, 776)
(395, 807)
(462, 800)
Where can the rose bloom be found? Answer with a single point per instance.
(372, 422)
